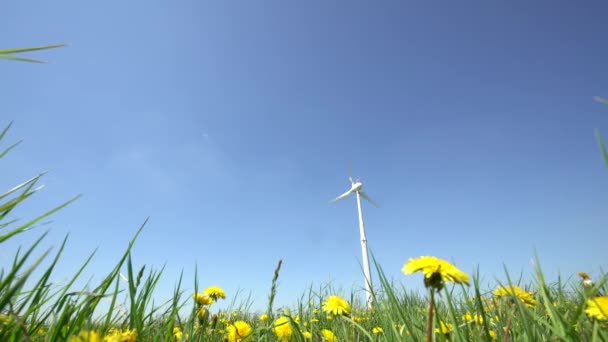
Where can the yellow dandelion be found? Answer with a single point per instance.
(328, 335)
(202, 299)
(435, 271)
(315, 311)
(377, 330)
(444, 328)
(263, 317)
(336, 305)
(476, 318)
(214, 292)
(117, 335)
(360, 319)
(282, 328)
(597, 308)
(177, 333)
(306, 335)
(85, 336)
(239, 331)
(314, 320)
(493, 334)
(513, 291)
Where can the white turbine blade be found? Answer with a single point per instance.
(364, 195)
(350, 173)
(344, 195)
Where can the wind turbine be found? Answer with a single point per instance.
(356, 187)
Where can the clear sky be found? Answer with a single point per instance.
(231, 125)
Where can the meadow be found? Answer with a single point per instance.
(455, 308)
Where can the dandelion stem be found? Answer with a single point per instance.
(508, 328)
(429, 325)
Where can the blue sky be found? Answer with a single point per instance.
(231, 124)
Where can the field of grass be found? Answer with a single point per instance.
(456, 308)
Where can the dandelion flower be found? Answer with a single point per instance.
(238, 331)
(525, 297)
(177, 333)
(263, 317)
(473, 318)
(202, 299)
(492, 334)
(598, 308)
(444, 328)
(336, 305)
(306, 335)
(282, 328)
(435, 271)
(377, 330)
(85, 336)
(117, 335)
(328, 335)
(214, 292)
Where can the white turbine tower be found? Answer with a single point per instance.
(357, 189)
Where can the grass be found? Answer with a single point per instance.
(32, 309)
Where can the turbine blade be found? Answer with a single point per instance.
(364, 195)
(344, 195)
(350, 173)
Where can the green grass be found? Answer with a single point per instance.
(32, 309)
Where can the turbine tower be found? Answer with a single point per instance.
(357, 189)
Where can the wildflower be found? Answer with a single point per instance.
(377, 330)
(598, 308)
(328, 335)
(314, 320)
(177, 333)
(525, 297)
(282, 328)
(306, 335)
(444, 328)
(360, 319)
(214, 293)
(263, 317)
(202, 299)
(117, 335)
(238, 331)
(315, 311)
(436, 271)
(492, 334)
(473, 318)
(336, 305)
(85, 336)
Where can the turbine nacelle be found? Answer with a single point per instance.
(355, 187)
(358, 186)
